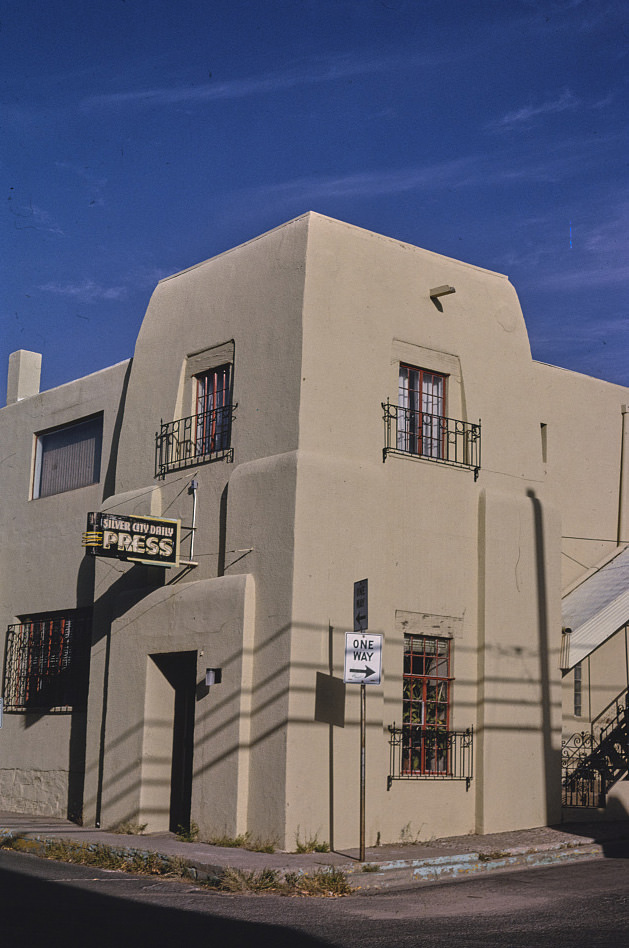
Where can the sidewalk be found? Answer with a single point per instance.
(439, 859)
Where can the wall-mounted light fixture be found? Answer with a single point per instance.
(444, 290)
(213, 676)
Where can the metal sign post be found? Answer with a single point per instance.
(363, 666)
(363, 754)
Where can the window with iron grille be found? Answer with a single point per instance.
(426, 705)
(68, 457)
(47, 662)
(421, 412)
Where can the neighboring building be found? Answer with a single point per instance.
(320, 395)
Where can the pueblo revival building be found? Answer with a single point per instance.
(182, 532)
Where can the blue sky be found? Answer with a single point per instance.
(142, 137)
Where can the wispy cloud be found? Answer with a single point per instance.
(565, 102)
(330, 69)
(31, 217)
(446, 174)
(599, 274)
(476, 170)
(86, 292)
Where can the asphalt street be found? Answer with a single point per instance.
(580, 905)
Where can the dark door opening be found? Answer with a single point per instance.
(180, 670)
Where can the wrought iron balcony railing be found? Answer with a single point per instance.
(422, 753)
(194, 440)
(431, 437)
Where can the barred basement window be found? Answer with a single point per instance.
(47, 662)
(68, 457)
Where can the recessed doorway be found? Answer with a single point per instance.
(168, 741)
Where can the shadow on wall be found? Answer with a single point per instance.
(109, 481)
(552, 756)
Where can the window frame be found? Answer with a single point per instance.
(421, 431)
(578, 690)
(425, 742)
(212, 434)
(42, 437)
(47, 657)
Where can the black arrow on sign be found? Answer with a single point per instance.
(360, 618)
(367, 671)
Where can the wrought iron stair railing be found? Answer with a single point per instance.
(592, 761)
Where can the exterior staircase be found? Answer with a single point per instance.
(593, 761)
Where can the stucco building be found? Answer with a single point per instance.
(314, 404)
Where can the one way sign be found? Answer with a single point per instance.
(363, 658)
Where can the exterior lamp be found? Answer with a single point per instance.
(213, 676)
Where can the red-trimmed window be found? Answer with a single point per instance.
(421, 412)
(426, 705)
(213, 410)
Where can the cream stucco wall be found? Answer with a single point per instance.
(318, 316)
(43, 569)
(585, 420)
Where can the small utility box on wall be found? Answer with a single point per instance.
(213, 676)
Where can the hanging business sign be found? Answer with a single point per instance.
(151, 540)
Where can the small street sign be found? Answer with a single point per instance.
(363, 658)
(361, 617)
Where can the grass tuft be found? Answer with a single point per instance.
(311, 844)
(243, 841)
(189, 835)
(102, 856)
(129, 828)
(328, 882)
(240, 880)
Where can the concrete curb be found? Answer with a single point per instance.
(374, 874)
(463, 865)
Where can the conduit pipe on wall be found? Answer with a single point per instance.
(623, 487)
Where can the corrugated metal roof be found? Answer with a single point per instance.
(597, 608)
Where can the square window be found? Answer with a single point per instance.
(68, 457)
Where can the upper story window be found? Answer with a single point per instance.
(421, 409)
(68, 457)
(417, 425)
(204, 435)
(47, 662)
(213, 410)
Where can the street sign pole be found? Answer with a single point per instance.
(363, 662)
(363, 746)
